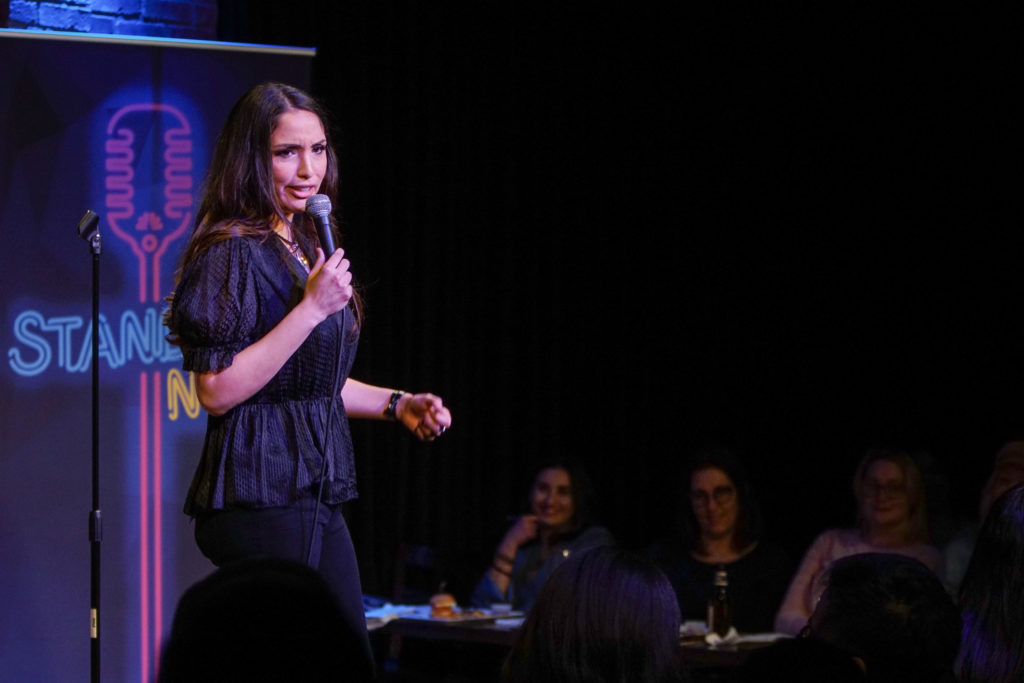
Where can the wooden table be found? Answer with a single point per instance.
(695, 653)
(699, 654)
(465, 631)
(415, 650)
(695, 649)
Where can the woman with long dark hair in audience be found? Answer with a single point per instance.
(892, 518)
(992, 644)
(720, 527)
(605, 615)
(558, 522)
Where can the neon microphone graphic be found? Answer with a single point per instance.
(137, 165)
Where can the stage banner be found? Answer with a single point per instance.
(122, 127)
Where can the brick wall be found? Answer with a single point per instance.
(195, 19)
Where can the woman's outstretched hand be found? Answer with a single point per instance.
(425, 415)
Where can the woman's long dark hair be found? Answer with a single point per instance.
(581, 489)
(748, 513)
(992, 646)
(606, 615)
(238, 197)
(238, 193)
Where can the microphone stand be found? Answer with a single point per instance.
(87, 230)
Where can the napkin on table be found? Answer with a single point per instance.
(731, 637)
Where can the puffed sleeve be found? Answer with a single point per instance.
(216, 306)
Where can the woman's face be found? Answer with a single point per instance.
(298, 147)
(884, 501)
(714, 503)
(551, 498)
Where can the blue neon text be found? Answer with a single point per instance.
(68, 341)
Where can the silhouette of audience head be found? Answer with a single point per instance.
(992, 647)
(261, 620)
(1007, 471)
(606, 615)
(893, 614)
(800, 660)
(895, 475)
(715, 474)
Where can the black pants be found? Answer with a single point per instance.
(228, 535)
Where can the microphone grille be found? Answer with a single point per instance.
(318, 204)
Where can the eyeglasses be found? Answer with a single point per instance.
(722, 495)
(888, 490)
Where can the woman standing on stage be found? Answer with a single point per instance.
(269, 324)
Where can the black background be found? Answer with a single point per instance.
(622, 233)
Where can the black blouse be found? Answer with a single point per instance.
(757, 583)
(266, 451)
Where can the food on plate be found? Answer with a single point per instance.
(442, 606)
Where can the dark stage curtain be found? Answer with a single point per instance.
(487, 154)
(619, 233)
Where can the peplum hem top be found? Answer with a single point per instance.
(268, 450)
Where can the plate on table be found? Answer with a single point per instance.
(460, 615)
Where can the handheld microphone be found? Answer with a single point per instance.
(319, 208)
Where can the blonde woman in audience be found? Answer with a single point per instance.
(892, 518)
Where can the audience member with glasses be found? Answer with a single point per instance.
(892, 518)
(719, 525)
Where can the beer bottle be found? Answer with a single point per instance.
(719, 609)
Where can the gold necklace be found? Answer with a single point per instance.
(293, 247)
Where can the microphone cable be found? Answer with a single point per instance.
(326, 451)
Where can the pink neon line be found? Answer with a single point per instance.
(156, 278)
(144, 526)
(142, 278)
(158, 565)
(139, 254)
(165, 243)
